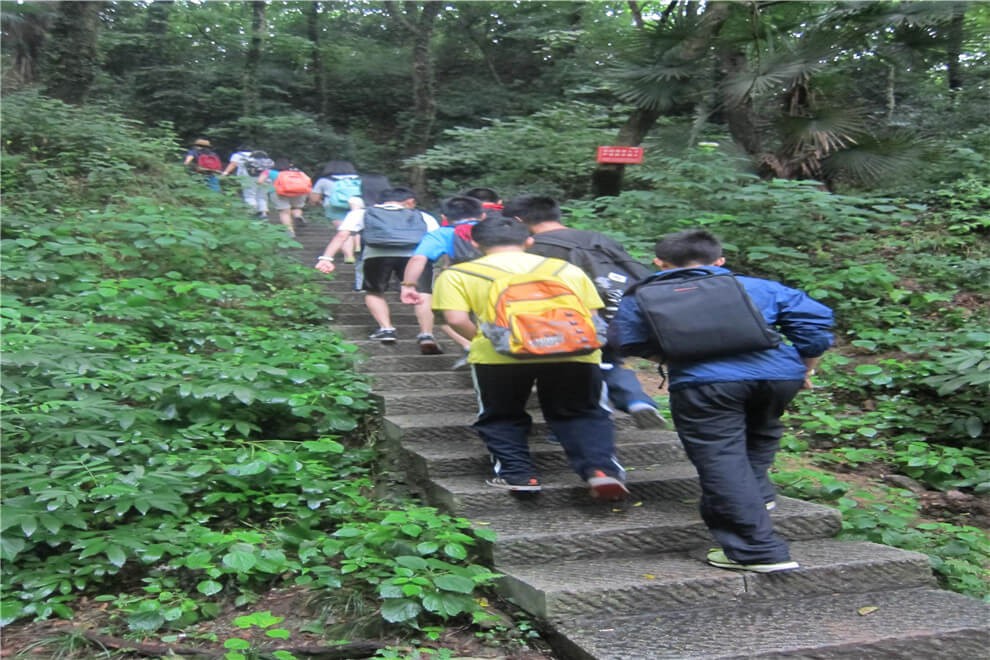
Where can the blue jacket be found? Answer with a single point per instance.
(804, 321)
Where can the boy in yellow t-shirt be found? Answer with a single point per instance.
(569, 388)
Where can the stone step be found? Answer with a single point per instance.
(407, 363)
(469, 494)
(396, 308)
(440, 380)
(403, 319)
(537, 533)
(398, 402)
(636, 450)
(666, 582)
(456, 425)
(904, 624)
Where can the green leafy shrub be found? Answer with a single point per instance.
(180, 427)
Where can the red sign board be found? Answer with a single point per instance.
(626, 155)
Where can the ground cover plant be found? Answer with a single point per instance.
(182, 431)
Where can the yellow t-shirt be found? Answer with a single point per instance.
(468, 293)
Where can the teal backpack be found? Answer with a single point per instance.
(344, 187)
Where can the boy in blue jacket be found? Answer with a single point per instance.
(727, 409)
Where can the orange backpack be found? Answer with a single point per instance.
(535, 314)
(292, 183)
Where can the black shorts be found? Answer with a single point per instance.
(378, 272)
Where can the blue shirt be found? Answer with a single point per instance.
(805, 322)
(439, 242)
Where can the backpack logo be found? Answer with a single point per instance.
(292, 183)
(343, 189)
(207, 161)
(694, 315)
(535, 314)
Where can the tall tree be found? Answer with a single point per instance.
(663, 76)
(313, 13)
(24, 30)
(416, 20)
(252, 61)
(71, 57)
(954, 45)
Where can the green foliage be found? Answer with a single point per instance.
(523, 154)
(239, 648)
(180, 427)
(413, 558)
(958, 553)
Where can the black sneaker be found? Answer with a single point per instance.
(716, 557)
(428, 345)
(531, 485)
(384, 335)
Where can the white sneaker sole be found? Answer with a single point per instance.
(608, 489)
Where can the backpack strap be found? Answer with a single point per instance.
(468, 267)
(549, 267)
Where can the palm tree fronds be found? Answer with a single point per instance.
(875, 158)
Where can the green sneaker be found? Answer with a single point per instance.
(716, 557)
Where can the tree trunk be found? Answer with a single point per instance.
(252, 61)
(71, 51)
(319, 74)
(606, 180)
(738, 113)
(417, 22)
(954, 47)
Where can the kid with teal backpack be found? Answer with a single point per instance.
(339, 190)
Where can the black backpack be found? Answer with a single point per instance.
(464, 249)
(257, 163)
(696, 315)
(612, 270)
(393, 228)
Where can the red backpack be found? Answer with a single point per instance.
(207, 161)
(292, 183)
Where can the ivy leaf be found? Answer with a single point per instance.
(455, 551)
(145, 621)
(455, 583)
(247, 469)
(115, 554)
(209, 587)
(415, 563)
(397, 610)
(240, 560)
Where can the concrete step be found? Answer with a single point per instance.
(666, 582)
(456, 425)
(435, 400)
(536, 533)
(469, 494)
(405, 345)
(440, 380)
(903, 624)
(403, 319)
(636, 450)
(352, 305)
(383, 363)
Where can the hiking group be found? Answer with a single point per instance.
(532, 302)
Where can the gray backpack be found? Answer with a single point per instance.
(393, 228)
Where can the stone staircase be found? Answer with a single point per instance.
(628, 581)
